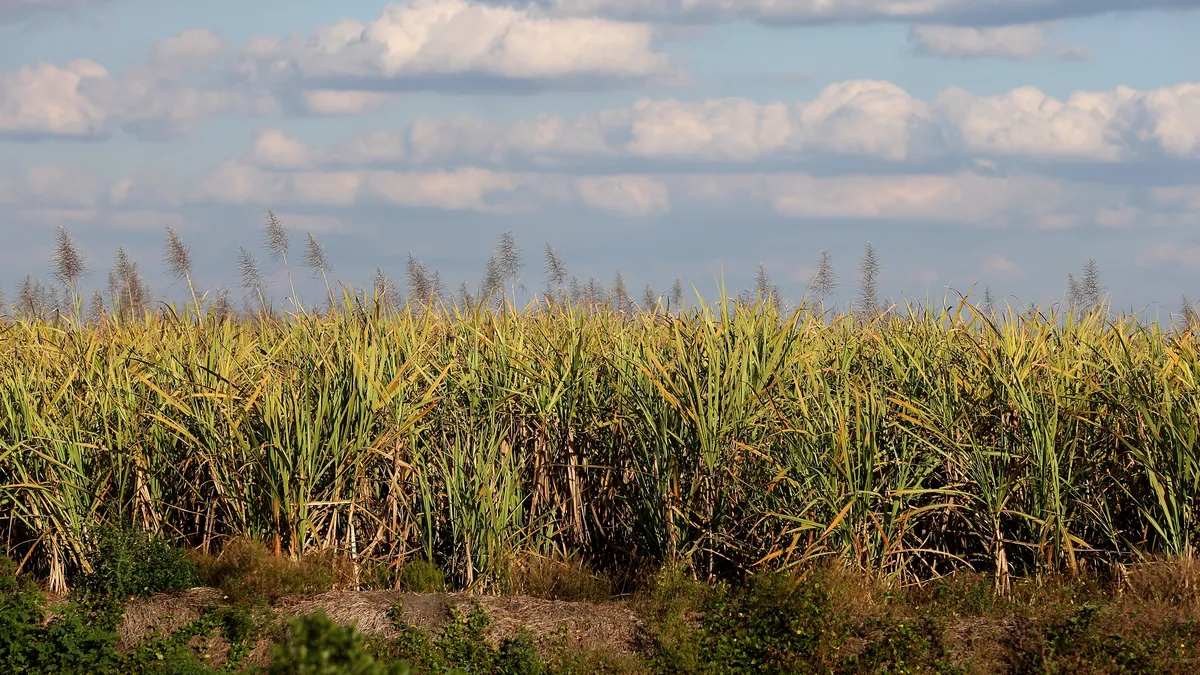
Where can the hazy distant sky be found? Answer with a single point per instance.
(989, 142)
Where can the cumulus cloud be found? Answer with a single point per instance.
(158, 99)
(859, 120)
(275, 149)
(347, 68)
(48, 100)
(868, 118)
(465, 189)
(423, 43)
(625, 195)
(1104, 126)
(977, 12)
(1027, 41)
(235, 182)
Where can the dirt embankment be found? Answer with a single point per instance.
(610, 628)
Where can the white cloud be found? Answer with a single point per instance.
(235, 182)
(997, 266)
(465, 189)
(155, 100)
(867, 118)
(1028, 122)
(330, 188)
(339, 70)
(1026, 41)
(625, 195)
(1105, 126)
(440, 38)
(338, 102)
(1169, 118)
(191, 49)
(275, 149)
(822, 11)
(859, 119)
(717, 129)
(48, 100)
(161, 99)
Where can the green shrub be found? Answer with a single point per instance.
(20, 612)
(171, 658)
(131, 563)
(777, 624)
(76, 641)
(460, 647)
(315, 645)
(463, 642)
(905, 646)
(518, 656)
(422, 576)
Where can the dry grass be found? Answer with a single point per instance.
(247, 571)
(552, 579)
(163, 614)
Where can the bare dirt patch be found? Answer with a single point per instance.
(612, 627)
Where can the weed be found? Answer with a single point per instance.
(20, 613)
(315, 645)
(129, 563)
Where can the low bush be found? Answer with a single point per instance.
(130, 563)
(315, 645)
(20, 613)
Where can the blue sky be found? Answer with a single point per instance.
(974, 142)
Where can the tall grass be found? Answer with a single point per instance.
(725, 439)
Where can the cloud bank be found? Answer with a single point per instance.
(859, 120)
(454, 43)
(963, 12)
